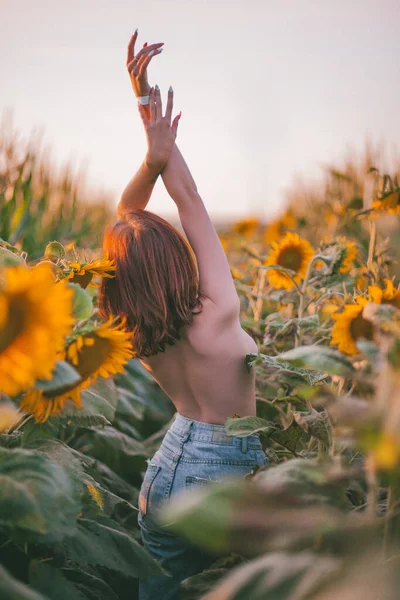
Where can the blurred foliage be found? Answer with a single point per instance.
(38, 205)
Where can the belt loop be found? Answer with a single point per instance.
(244, 445)
(188, 430)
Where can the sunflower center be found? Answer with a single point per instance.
(290, 258)
(92, 357)
(361, 328)
(14, 323)
(61, 390)
(82, 280)
(393, 301)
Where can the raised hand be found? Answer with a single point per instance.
(160, 132)
(137, 65)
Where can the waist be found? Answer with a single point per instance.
(211, 433)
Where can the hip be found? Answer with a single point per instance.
(192, 454)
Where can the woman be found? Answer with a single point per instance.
(186, 333)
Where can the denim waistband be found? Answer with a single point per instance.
(211, 433)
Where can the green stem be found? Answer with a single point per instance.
(386, 531)
(372, 244)
(321, 450)
(371, 494)
(21, 423)
(302, 295)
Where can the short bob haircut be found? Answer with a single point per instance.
(156, 283)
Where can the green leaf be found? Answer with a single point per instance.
(249, 517)
(105, 543)
(316, 424)
(64, 377)
(99, 399)
(77, 417)
(36, 497)
(196, 586)
(51, 581)
(12, 589)
(109, 500)
(98, 407)
(289, 437)
(278, 268)
(155, 403)
(130, 404)
(315, 482)
(318, 358)
(370, 350)
(253, 359)
(279, 576)
(39, 431)
(245, 426)
(10, 259)
(11, 440)
(124, 455)
(90, 584)
(204, 515)
(82, 302)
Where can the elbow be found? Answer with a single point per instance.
(121, 209)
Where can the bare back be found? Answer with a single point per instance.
(205, 372)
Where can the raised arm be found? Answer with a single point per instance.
(139, 189)
(216, 281)
(215, 277)
(160, 135)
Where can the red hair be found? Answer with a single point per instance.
(156, 284)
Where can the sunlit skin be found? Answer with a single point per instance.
(205, 372)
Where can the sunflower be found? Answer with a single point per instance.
(350, 326)
(349, 256)
(385, 453)
(83, 273)
(363, 279)
(330, 306)
(101, 352)
(292, 252)
(277, 228)
(389, 295)
(342, 253)
(35, 317)
(389, 204)
(246, 227)
(225, 242)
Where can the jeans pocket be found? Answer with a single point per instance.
(150, 475)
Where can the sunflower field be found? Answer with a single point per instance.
(79, 417)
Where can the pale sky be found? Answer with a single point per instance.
(267, 89)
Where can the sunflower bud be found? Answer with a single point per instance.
(54, 250)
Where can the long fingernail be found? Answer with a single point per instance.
(170, 89)
(160, 49)
(135, 32)
(144, 45)
(152, 52)
(157, 88)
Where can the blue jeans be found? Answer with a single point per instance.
(192, 453)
